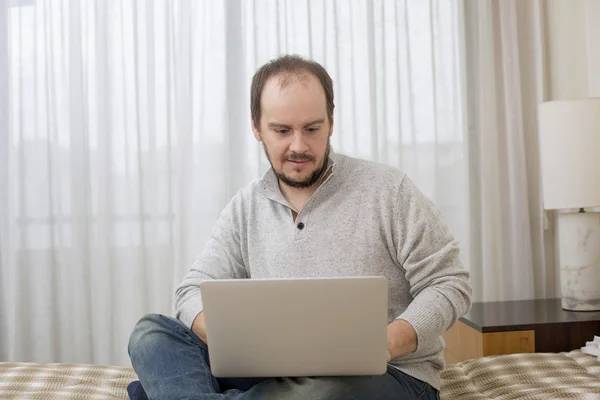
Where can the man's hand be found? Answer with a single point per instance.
(401, 339)
(199, 328)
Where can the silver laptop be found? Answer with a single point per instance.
(296, 327)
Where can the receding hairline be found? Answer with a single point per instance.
(287, 77)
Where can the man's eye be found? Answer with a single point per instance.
(282, 131)
(312, 129)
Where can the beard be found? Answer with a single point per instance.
(311, 179)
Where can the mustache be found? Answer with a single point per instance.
(299, 157)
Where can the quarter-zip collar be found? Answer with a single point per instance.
(269, 184)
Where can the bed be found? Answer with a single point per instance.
(63, 381)
(531, 376)
(544, 376)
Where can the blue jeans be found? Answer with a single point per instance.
(172, 363)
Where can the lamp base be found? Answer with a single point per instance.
(579, 241)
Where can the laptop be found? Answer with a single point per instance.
(296, 327)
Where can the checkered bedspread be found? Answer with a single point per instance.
(571, 375)
(542, 376)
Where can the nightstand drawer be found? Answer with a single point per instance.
(497, 343)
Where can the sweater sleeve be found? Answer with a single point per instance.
(221, 258)
(429, 255)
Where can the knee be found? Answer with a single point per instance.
(144, 335)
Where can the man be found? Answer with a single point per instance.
(315, 214)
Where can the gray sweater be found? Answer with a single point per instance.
(366, 219)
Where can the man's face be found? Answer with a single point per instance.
(294, 129)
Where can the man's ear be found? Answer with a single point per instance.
(255, 130)
(331, 128)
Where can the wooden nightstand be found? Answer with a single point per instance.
(519, 327)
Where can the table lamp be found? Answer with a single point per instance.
(570, 153)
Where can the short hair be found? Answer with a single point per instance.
(288, 65)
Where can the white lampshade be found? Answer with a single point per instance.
(570, 150)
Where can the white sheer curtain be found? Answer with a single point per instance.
(128, 131)
(512, 254)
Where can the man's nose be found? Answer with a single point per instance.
(298, 144)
